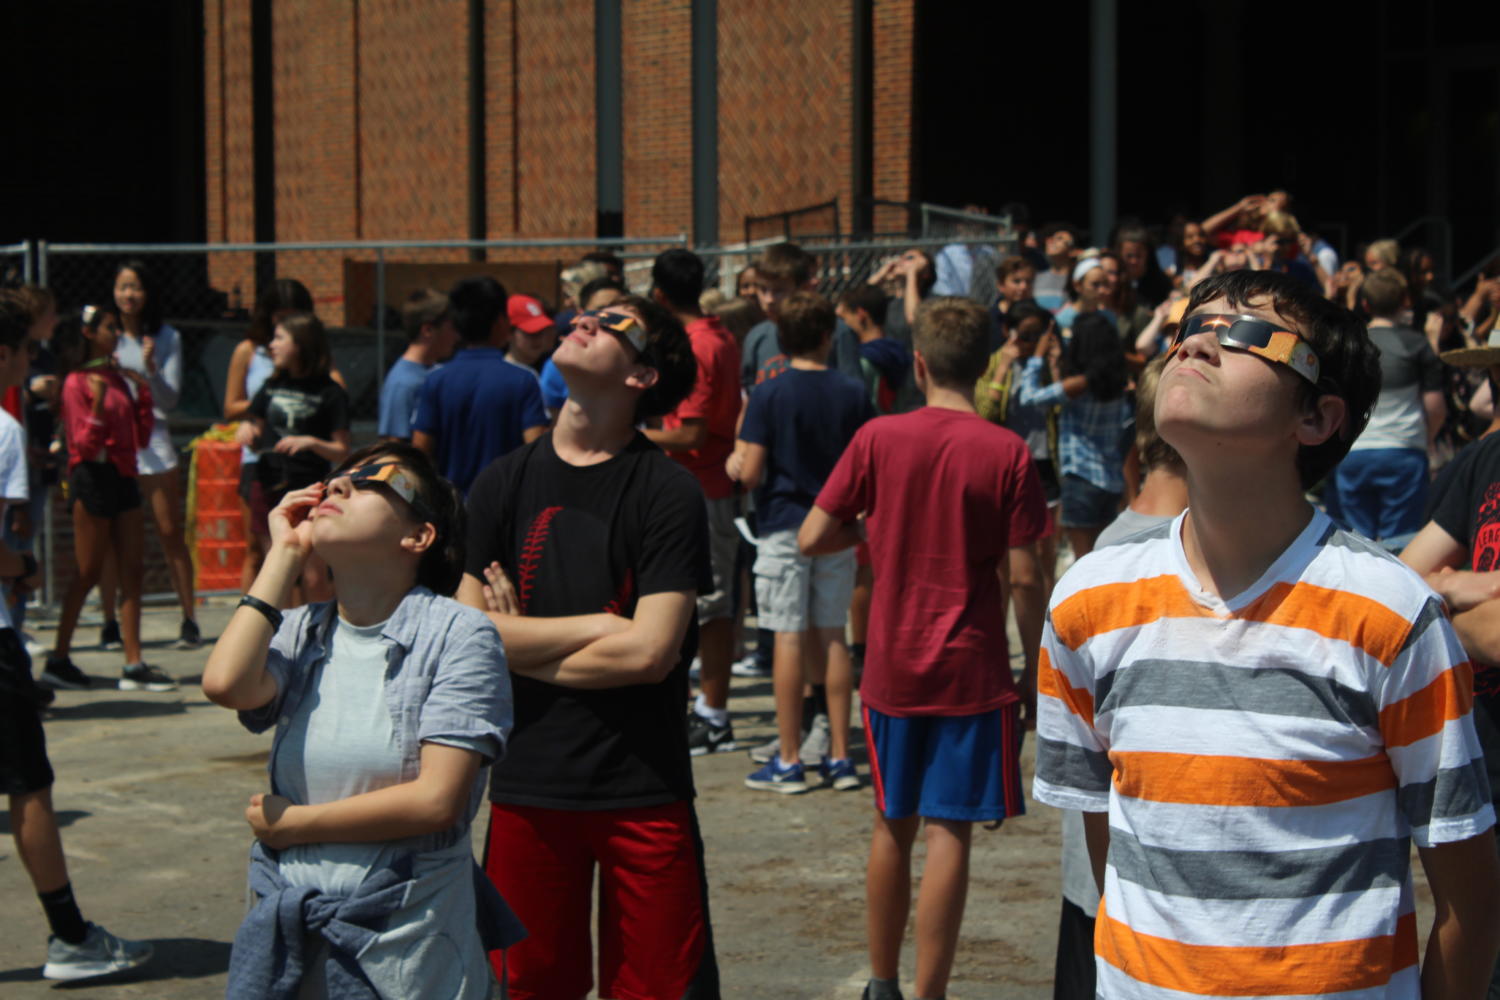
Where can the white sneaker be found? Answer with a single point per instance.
(100, 954)
(746, 666)
(816, 744)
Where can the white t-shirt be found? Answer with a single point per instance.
(159, 455)
(14, 487)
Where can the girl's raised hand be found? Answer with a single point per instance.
(291, 520)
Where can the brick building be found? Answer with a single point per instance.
(492, 119)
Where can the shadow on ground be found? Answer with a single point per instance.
(175, 958)
(65, 817)
(120, 708)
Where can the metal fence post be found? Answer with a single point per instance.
(27, 268)
(379, 320)
(41, 263)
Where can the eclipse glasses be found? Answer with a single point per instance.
(1249, 333)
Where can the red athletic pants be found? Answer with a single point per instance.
(654, 938)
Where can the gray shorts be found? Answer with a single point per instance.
(797, 592)
(723, 544)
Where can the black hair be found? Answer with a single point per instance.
(15, 319)
(475, 304)
(607, 258)
(1024, 310)
(1153, 285)
(596, 286)
(1349, 364)
(151, 314)
(869, 298)
(442, 566)
(69, 346)
(678, 275)
(669, 351)
(805, 322)
(280, 295)
(1095, 352)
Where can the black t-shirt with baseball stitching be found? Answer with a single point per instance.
(579, 540)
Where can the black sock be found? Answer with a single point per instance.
(858, 649)
(882, 989)
(820, 698)
(809, 709)
(62, 914)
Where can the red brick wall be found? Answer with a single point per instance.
(500, 120)
(316, 142)
(413, 119)
(657, 99)
(785, 107)
(894, 119)
(555, 104)
(227, 139)
(371, 118)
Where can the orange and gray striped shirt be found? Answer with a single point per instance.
(1266, 763)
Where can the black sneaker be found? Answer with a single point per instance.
(61, 674)
(109, 636)
(188, 637)
(705, 738)
(141, 677)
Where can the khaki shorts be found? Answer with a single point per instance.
(723, 543)
(797, 592)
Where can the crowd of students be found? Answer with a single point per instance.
(1248, 708)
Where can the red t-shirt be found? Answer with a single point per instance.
(946, 495)
(715, 399)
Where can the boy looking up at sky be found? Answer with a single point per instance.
(1259, 713)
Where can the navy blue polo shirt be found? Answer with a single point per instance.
(477, 407)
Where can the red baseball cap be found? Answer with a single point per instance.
(526, 314)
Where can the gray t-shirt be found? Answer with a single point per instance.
(339, 742)
(1408, 368)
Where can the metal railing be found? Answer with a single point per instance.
(207, 292)
(16, 263)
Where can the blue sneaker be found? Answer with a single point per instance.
(839, 772)
(774, 777)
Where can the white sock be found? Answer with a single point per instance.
(718, 716)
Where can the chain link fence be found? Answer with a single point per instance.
(15, 264)
(208, 294)
(846, 265)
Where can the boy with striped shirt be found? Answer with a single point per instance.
(1260, 713)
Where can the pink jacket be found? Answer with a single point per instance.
(124, 426)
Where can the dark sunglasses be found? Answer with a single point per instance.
(388, 477)
(1248, 333)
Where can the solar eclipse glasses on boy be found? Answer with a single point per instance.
(390, 476)
(622, 325)
(1249, 333)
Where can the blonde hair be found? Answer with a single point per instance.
(1386, 251)
(1280, 224)
(1155, 453)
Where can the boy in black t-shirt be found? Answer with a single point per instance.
(588, 547)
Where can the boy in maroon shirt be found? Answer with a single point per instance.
(950, 501)
(699, 433)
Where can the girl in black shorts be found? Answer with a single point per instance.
(105, 424)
